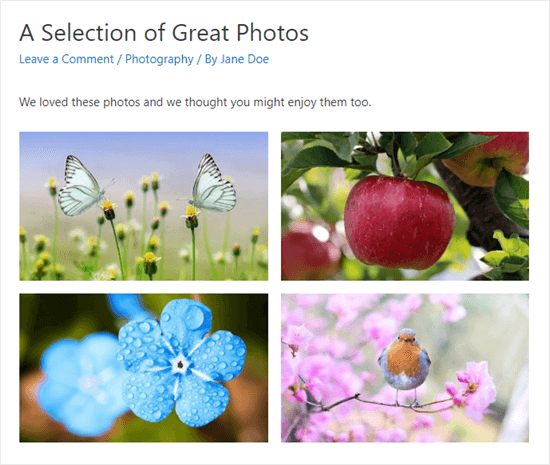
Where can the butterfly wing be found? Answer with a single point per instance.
(81, 189)
(210, 191)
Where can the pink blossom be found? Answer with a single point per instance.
(358, 432)
(298, 337)
(367, 376)
(446, 415)
(301, 395)
(330, 435)
(288, 371)
(382, 436)
(346, 306)
(343, 437)
(398, 435)
(427, 437)
(476, 378)
(307, 300)
(335, 347)
(423, 420)
(291, 318)
(380, 329)
(454, 312)
(455, 392)
(401, 310)
(321, 420)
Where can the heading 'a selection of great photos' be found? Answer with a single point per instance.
(307, 240)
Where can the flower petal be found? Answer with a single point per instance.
(220, 357)
(98, 352)
(199, 402)
(53, 395)
(142, 347)
(128, 306)
(150, 395)
(60, 363)
(184, 323)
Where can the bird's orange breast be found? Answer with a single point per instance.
(403, 357)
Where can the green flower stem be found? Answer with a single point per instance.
(207, 249)
(236, 269)
(162, 231)
(252, 263)
(98, 245)
(127, 245)
(55, 231)
(143, 218)
(226, 234)
(118, 251)
(150, 277)
(193, 241)
(24, 253)
(156, 206)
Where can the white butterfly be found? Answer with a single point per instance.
(210, 191)
(81, 189)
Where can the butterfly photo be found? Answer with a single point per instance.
(71, 229)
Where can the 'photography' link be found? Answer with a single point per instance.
(131, 59)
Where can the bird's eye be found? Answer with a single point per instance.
(414, 339)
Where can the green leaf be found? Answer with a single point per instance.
(343, 146)
(406, 142)
(512, 197)
(431, 145)
(496, 274)
(315, 154)
(463, 142)
(513, 246)
(286, 136)
(513, 264)
(494, 258)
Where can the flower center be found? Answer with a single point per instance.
(180, 364)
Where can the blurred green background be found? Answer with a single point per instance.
(46, 318)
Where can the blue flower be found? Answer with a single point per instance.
(83, 387)
(172, 363)
(128, 306)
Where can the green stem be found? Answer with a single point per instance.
(226, 234)
(55, 231)
(252, 263)
(150, 277)
(127, 245)
(156, 206)
(236, 273)
(24, 252)
(163, 256)
(144, 215)
(207, 249)
(193, 242)
(118, 251)
(98, 245)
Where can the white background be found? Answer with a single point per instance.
(425, 66)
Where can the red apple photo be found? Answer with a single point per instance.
(398, 223)
(480, 166)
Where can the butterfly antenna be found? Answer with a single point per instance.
(111, 183)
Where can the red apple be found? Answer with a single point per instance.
(398, 223)
(480, 166)
(304, 257)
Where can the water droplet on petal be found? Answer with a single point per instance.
(145, 327)
(194, 317)
(165, 317)
(137, 343)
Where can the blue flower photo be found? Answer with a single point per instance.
(183, 368)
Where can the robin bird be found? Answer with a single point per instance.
(405, 364)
